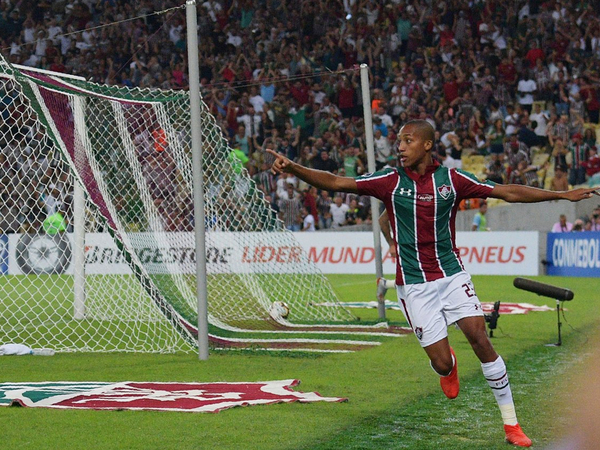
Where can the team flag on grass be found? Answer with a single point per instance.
(187, 397)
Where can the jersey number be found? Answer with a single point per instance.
(469, 290)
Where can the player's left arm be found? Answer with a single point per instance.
(517, 193)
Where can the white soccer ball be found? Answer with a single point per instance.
(279, 310)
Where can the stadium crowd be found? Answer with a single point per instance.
(511, 87)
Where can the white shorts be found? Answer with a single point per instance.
(431, 306)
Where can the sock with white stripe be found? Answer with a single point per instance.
(497, 377)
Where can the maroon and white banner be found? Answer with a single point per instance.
(483, 253)
(183, 397)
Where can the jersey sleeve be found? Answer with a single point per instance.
(378, 184)
(468, 185)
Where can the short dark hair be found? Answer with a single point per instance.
(424, 129)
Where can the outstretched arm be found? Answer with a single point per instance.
(515, 193)
(317, 178)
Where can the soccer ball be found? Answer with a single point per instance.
(279, 310)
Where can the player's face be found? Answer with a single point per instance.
(413, 149)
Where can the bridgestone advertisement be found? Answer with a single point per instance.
(483, 253)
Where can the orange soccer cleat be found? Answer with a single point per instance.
(450, 384)
(516, 436)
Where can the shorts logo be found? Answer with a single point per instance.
(445, 191)
(419, 333)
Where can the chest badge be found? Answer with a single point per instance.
(445, 191)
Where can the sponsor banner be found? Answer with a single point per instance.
(3, 254)
(184, 397)
(159, 253)
(573, 254)
(491, 253)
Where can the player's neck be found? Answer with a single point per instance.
(421, 167)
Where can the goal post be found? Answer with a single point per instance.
(129, 232)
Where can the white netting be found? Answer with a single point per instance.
(130, 151)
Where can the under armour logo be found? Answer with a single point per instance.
(403, 191)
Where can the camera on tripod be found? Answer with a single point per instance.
(492, 318)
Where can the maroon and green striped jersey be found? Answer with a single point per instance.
(422, 211)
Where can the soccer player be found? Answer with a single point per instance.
(421, 198)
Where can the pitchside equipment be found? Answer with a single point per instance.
(114, 163)
(547, 290)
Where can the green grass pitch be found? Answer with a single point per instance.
(394, 397)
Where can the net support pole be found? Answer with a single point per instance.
(366, 97)
(198, 177)
(78, 251)
(79, 216)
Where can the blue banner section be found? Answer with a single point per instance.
(573, 254)
(3, 254)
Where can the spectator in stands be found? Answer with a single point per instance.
(355, 214)
(308, 220)
(589, 137)
(560, 181)
(323, 162)
(525, 174)
(590, 96)
(592, 164)
(526, 89)
(382, 148)
(511, 120)
(579, 155)
(338, 210)
(242, 141)
(577, 225)
(515, 151)
(352, 162)
(495, 136)
(539, 123)
(562, 225)
(495, 170)
(324, 203)
(559, 153)
(560, 129)
(10, 212)
(595, 220)
(526, 134)
(289, 207)
(480, 220)
(52, 199)
(452, 147)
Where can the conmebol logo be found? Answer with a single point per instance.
(582, 253)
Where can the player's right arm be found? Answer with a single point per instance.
(317, 178)
(386, 229)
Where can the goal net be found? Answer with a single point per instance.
(128, 152)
